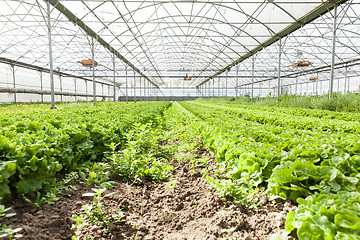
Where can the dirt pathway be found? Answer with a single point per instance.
(184, 208)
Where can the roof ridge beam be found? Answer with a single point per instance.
(322, 9)
(56, 4)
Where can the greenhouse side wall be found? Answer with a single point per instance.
(34, 86)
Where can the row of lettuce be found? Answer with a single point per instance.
(36, 144)
(311, 160)
(318, 113)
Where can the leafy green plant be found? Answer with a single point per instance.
(79, 222)
(144, 157)
(6, 231)
(35, 144)
(52, 193)
(97, 212)
(96, 174)
(326, 216)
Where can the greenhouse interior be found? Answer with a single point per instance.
(180, 119)
(176, 49)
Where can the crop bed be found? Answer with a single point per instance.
(190, 170)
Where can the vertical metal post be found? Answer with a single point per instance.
(252, 78)
(219, 86)
(149, 90)
(102, 90)
(50, 58)
(320, 87)
(86, 89)
(226, 82)
(331, 84)
(316, 82)
(114, 78)
(237, 81)
(345, 81)
(108, 92)
(170, 90)
(279, 72)
(41, 87)
(183, 90)
(314, 87)
(296, 85)
(348, 80)
(14, 85)
(209, 89)
(307, 88)
(93, 70)
(213, 93)
(61, 96)
(75, 89)
(205, 90)
(134, 86)
(144, 89)
(140, 90)
(126, 84)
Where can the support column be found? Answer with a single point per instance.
(218, 87)
(75, 89)
(345, 82)
(226, 82)
(205, 90)
(60, 80)
(296, 85)
(307, 88)
(316, 82)
(348, 80)
(237, 82)
(213, 94)
(320, 87)
(93, 70)
(140, 90)
(114, 78)
(144, 89)
(102, 90)
(279, 72)
(41, 86)
(126, 84)
(331, 84)
(252, 78)
(86, 89)
(134, 86)
(50, 58)
(14, 82)
(209, 89)
(149, 90)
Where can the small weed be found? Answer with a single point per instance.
(171, 184)
(6, 231)
(97, 212)
(96, 174)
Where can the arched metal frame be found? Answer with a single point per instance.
(165, 40)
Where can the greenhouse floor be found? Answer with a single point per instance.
(191, 210)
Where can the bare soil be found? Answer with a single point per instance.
(185, 208)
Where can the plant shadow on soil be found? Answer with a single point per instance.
(184, 208)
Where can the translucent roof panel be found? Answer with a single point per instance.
(165, 40)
